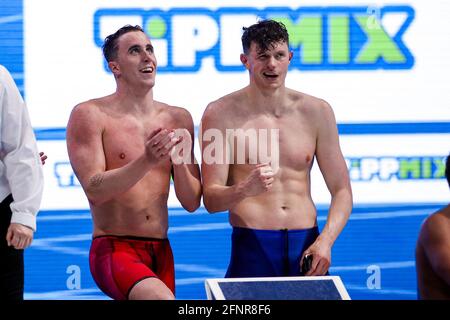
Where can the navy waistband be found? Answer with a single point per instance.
(244, 229)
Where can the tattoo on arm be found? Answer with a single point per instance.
(96, 180)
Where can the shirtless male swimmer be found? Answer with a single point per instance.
(121, 149)
(270, 207)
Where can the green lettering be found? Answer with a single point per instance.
(439, 173)
(307, 34)
(426, 168)
(339, 44)
(409, 168)
(379, 44)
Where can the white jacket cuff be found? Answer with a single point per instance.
(25, 218)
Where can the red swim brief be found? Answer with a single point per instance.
(118, 263)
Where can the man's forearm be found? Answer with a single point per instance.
(338, 215)
(188, 187)
(221, 198)
(106, 185)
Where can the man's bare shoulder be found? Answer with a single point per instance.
(91, 108)
(309, 104)
(179, 114)
(306, 99)
(89, 116)
(439, 219)
(436, 227)
(225, 106)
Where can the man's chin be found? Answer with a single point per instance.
(272, 84)
(149, 82)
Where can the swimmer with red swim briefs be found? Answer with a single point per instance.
(121, 148)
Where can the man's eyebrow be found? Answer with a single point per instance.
(135, 46)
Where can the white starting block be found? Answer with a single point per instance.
(277, 288)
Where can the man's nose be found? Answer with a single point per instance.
(271, 62)
(146, 56)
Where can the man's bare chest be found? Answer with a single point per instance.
(124, 139)
(291, 140)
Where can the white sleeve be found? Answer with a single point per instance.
(22, 163)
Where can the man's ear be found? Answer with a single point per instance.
(114, 67)
(291, 54)
(244, 60)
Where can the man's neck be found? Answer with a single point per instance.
(135, 100)
(267, 100)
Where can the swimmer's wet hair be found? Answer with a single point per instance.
(265, 33)
(110, 45)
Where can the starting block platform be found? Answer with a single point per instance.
(277, 288)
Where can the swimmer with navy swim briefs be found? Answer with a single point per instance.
(268, 253)
(268, 194)
(123, 150)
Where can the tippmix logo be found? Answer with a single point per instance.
(399, 168)
(322, 38)
(361, 169)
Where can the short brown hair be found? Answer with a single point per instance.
(110, 45)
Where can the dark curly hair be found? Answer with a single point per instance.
(265, 34)
(110, 45)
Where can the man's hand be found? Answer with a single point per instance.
(321, 254)
(258, 181)
(159, 145)
(19, 236)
